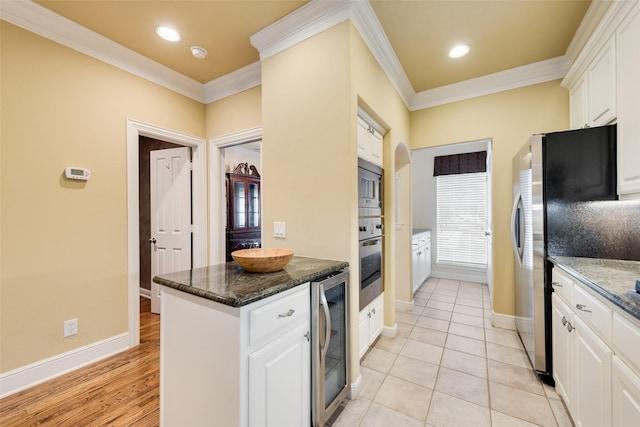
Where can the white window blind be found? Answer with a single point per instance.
(462, 219)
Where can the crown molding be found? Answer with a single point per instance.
(305, 22)
(605, 29)
(235, 82)
(370, 29)
(42, 21)
(241, 137)
(539, 72)
(595, 12)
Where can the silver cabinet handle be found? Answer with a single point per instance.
(556, 284)
(287, 314)
(582, 307)
(373, 310)
(308, 336)
(570, 327)
(564, 321)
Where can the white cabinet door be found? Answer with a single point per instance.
(578, 104)
(592, 382)
(364, 148)
(563, 338)
(415, 267)
(371, 321)
(628, 66)
(369, 143)
(626, 395)
(364, 331)
(427, 260)
(601, 83)
(377, 319)
(279, 381)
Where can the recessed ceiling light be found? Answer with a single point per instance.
(459, 51)
(199, 52)
(167, 33)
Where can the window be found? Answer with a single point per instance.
(462, 214)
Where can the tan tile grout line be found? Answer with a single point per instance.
(482, 296)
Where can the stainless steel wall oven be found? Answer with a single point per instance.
(329, 346)
(370, 211)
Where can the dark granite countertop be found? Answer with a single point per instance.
(231, 285)
(608, 277)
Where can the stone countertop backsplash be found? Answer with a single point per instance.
(230, 285)
(608, 277)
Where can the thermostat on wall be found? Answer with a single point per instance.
(77, 173)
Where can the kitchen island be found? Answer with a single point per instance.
(234, 346)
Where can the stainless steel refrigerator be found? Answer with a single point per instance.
(552, 174)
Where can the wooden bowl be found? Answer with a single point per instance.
(262, 260)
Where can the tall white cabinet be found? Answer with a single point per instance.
(628, 64)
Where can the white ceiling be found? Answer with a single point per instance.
(502, 34)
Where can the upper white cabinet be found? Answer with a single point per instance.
(628, 66)
(593, 96)
(604, 87)
(369, 143)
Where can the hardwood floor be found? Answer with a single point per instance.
(122, 390)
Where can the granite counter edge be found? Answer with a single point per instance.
(255, 296)
(626, 306)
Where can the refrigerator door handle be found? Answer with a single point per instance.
(515, 222)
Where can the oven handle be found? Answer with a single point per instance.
(327, 324)
(372, 242)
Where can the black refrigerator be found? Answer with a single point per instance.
(555, 175)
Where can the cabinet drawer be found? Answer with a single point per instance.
(593, 311)
(562, 286)
(279, 316)
(626, 340)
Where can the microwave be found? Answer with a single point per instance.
(370, 186)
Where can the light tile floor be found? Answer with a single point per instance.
(448, 367)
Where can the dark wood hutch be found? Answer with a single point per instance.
(243, 209)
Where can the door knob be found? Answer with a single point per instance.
(152, 240)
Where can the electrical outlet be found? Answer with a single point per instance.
(70, 327)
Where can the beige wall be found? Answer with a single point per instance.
(235, 113)
(64, 244)
(508, 119)
(310, 95)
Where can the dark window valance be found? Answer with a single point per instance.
(460, 163)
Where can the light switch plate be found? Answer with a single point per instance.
(279, 229)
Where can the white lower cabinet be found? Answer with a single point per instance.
(595, 348)
(371, 323)
(228, 366)
(626, 395)
(421, 258)
(562, 328)
(592, 391)
(278, 383)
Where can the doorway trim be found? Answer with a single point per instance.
(217, 213)
(135, 129)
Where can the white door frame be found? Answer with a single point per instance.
(217, 214)
(135, 129)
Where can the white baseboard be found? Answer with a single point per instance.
(145, 293)
(389, 331)
(355, 388)
(503, 321)
(463, 277)
(30, 375)
(404, 306)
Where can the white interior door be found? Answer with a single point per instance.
(170, 215)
